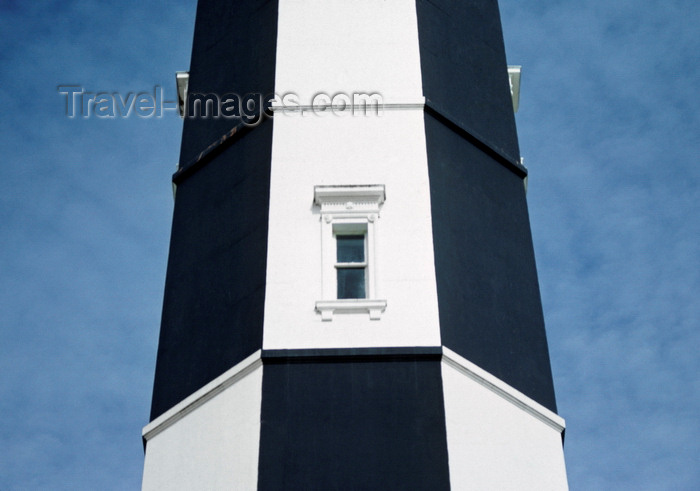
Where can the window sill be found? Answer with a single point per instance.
(350, 306)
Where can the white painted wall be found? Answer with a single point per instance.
(214, 447)
(344, 46)
(360, 46)
(332, 150)
(494, 444)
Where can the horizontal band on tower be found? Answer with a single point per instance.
(343, 355)
(479, 142)
(198, 398)
(502, 389)
(240, 129)
(418, 103)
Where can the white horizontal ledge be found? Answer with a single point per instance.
(320, 109)
(349, 306)
(206, 393)
(325, 195)
(502, 389)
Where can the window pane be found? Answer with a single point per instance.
(351, 248)
(351, 283)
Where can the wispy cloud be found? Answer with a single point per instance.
(608, 128)
(611, 142)
(85, 207)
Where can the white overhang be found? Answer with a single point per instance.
(514, 77)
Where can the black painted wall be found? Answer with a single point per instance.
(488, 293)
(215, 284)
(353, 424)
(234, 51)
(464, 70)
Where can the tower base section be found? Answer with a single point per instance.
(209, 440)
(339, 419)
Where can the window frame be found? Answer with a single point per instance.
(344, 210)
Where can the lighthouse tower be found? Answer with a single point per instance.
(351, 299)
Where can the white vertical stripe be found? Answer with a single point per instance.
(350, 46)
(345, 46)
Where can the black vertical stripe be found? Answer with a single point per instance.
(488, 293)
(353, 424)
(464, 71)
(215, 286)
(234, 51)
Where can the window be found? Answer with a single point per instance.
(351, 265)
(349, 217)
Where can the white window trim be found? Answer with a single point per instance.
(347, 206)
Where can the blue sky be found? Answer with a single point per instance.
(609, 129)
